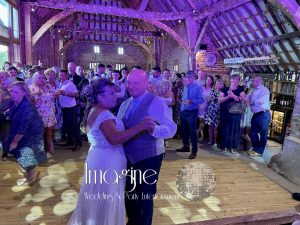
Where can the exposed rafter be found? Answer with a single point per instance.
(219, 7)
(172, 32)
(49, 24)
(112, 10)
(136, 40)
(192, 4)
(203, 31)
(117, 32)
(143, 5)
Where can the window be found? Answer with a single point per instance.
(120, 66)
(9, 32)
(121, 51)
(93, 65)
(176, 65)
(17, 56)
(3, 54)
(16, 23)
(60, 44)
(4, 18)
(96, 49)
(175, 68)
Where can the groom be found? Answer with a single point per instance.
(145, 151)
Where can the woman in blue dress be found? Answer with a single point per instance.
(26, 135)
(230, 122)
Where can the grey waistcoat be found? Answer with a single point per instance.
(143, 145)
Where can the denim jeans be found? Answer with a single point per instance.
(188, 124)
(259, 130)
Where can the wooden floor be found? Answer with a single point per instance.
(240, 190)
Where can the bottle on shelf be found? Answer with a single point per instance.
(294, 76)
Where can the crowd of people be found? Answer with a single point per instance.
(128, 117)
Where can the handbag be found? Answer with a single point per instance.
(237, 107)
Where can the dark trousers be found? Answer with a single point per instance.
(188, 123)
(139, 199)
(71, 125)
(259, 130)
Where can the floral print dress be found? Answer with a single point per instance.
(212, 114)
(45, 104)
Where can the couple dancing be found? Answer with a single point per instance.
(134, 141)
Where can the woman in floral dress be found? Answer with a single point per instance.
(212, 115)
(44, 97)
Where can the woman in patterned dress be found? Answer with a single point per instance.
(25, 138)
(212, 115)
(44, 97)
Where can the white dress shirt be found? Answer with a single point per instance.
(165, 128)
(66, 101)
(259, 99)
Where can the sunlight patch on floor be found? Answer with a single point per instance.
(35, 213)
(67, 204)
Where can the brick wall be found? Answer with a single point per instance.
(172, 53)
(83, 54)
(44, 49)
(219, 67)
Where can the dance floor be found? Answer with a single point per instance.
(240, 190)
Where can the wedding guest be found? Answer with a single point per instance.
(230, 122)
(206, 90)
(213, 110)
(25, 139)
(191, 99)
(44, 96)
(259, 100)
(67, 94)
(5, 103)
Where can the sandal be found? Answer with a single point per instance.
(21, 181)
(34, 179)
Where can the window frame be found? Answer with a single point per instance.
(11, 41)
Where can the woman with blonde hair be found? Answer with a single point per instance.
(229, 121)
(25, 138)
(44, 97)
(5, 103)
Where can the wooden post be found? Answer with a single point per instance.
(28, 35)
(157, 51)
(192, 31)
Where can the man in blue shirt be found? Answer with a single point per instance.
(191, 99)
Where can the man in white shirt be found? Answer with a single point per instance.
(67, 94)
(259, 101)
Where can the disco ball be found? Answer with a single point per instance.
(195, 181)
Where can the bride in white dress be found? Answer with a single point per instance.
(101, 197)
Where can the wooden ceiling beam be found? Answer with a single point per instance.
(282, 29)
(143, 5)
(203, 31)
(112, 10)
(192, 4)
(274, 33)
(219, 7)
(263, 40)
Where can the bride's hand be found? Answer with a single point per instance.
(148, 123)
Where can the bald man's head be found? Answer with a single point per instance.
(71, 67)
(137, 82)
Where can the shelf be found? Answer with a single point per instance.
(285, 81)
(280, 93)
(281, 106)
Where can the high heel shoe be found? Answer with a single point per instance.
(76, 147)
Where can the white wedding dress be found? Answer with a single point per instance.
(101, 203)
